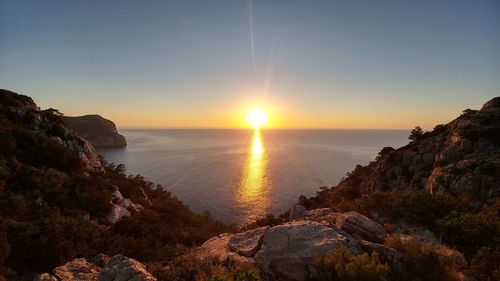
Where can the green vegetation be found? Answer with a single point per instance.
(342, 265)
(421, 261)
(458, 222)
(187, 267)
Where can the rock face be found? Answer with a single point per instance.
(97, 130)
(287, 251)
(100, 268)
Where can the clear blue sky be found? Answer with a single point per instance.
(347, 64)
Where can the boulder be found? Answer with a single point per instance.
(121, 207)
(386, 254)
(296, 212)
(77, 270)
(217, 248)
(100, 268)
(361, 227)
(289, 249)
(122, 268)
(100, 260)
(116, 213)
(248, 242)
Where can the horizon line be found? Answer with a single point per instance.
(251, 129)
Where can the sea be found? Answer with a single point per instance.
(242, 175)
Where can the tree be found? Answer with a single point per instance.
(416, 133)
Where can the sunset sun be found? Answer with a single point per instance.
(257, 118)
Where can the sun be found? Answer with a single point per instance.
(257, 118)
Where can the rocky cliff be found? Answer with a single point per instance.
(97, 130)
(461, 158)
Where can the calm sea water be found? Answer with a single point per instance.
(240, 175)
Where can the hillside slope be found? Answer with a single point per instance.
(461, 158)
(59, 200)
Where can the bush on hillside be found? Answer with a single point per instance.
(341, 264)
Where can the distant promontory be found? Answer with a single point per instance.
(99, 131)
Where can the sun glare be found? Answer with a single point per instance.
(257, 118)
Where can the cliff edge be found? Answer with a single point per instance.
(99, 131)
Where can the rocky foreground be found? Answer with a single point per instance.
(288, 251)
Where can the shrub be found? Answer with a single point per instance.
(485, 266)
(469, 232)
(421, 261)
(384, 152)
(341, 264)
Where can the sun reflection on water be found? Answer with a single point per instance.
(253, 189)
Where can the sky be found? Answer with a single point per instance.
(204, 64)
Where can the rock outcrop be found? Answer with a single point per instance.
(100, 268)
(361, 226)
(217, 248)
(288, 250)
(121, 207)
(99, 131)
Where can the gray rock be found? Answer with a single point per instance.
(121, 268)
(121, 207)
(388, 255)
(361, 227)
(248, 242)
(116, 213)
(217, 248)
(289, 249)
(297, 212)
